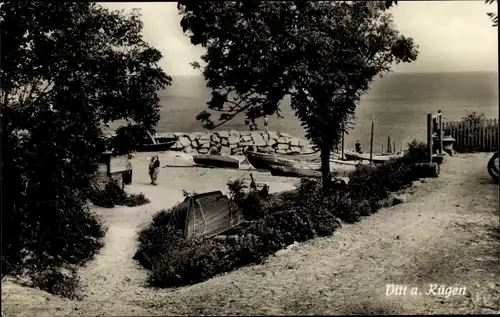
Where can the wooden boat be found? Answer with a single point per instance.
(216, 161)
(155, 147)
(292, 171)
(353, 156)
(264, 161)
(312, 156)
(348, 163)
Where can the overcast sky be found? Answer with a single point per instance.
(452, 35)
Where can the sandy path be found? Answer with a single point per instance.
(442, 235)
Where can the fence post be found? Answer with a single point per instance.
(488, 135)
(440, 135)
(429, 136)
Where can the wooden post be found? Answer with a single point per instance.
(440, 136)
(371, 140)
(394, 146)
(401, 147)
(382, 149)
(429, 136)
(389, 150)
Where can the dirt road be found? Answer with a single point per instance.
(445, 234)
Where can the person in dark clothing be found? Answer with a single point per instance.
(358, 147)
(154, 169)
(128, 174)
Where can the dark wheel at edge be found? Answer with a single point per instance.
(493, 169)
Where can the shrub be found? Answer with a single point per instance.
(56, 281)
(161, 236)
(417, 152)
(473, 117)
(374, 183)
(113, 195)
(255, 206)
(204, 259)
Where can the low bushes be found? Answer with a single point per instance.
(272, 222)
(58, 281)
(113, 195)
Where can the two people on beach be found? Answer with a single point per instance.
(253, 126)
(154, 169)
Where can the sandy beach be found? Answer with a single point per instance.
(443, 234)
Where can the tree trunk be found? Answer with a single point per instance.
(325, 167)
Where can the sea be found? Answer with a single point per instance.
(399, 102)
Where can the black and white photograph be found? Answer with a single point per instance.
(232, 158)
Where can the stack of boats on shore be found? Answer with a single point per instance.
(302, 165)
(308, 165)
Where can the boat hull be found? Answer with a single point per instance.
(353, 156)
(264, 161)
(157, 147)
(294, 171)
(216, 161)
(291, 171)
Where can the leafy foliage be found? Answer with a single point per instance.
(323, 54)
(289, 217)
(67, 70)
(127, 139)
(472, 121)
(417, 152)
(473, 117)
(59, 282)
(113, 195)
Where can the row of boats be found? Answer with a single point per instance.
(304, 165)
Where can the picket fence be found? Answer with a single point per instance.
(470, 136)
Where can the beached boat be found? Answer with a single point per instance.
(342, 171)
(216, 161)
(292, 171)
(155, 147)
(347, 163)
(264, 161)
(353, 156)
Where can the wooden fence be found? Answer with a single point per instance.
(472, 136)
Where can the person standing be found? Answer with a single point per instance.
(253, 125)
(358, 147)
(128, 173)
(151, 169)
(266, 121)
(156, 170)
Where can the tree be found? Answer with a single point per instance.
(493, 16)
(323, 54)
(67, 70)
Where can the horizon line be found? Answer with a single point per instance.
(423, 72)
